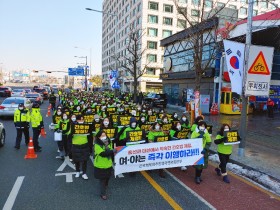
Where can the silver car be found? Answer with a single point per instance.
(2, 134)
(18, 93)
(9, 105)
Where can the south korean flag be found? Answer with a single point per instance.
(234, 52)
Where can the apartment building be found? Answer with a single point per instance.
(158, 19)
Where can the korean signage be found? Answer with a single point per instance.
(232, 137)
(81, 129)
(88, 118)
(259, 73)
(135, 137)
(151, 156)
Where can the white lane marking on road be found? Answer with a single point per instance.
(13, 194)
(65, 163)
(190, 190)
(69, 177)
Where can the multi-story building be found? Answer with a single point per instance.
(158, 19)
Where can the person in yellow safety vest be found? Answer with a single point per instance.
(37, 123)
(224, 152)
(103, 164)
(21, 121)
(80, 148)
(201, 132)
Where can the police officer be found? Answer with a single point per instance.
(21, 121)
(36, 120)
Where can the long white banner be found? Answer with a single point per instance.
(151, 156)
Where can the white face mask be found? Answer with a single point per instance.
(106, 123)
(133, 125)
(157, 127)
(165, 120)
(104, 139)
(184, 119)
(179, 127)
(58, 113)
(73, 119)
(121, 110)
(201, 128)
(20, 108)
(133, 112)
(64, 117)
(97, 120)
(78, 108)
(175, 115)
(143, 119)
(150, 112)
(226, 129)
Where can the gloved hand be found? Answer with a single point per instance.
(203, 151)
(201, 133)
(224, 139)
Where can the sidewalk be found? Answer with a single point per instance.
(262, 141)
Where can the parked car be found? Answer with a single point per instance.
(44, 93)
(5, 91)
(35, 87)
(2, 134)
(27, 90)
(156, 99)
(35, 97)
(9, 105)
(18, 93)
(47, 88)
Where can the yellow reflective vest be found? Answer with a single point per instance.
(99, 161)
(36, 118)
(21, 118)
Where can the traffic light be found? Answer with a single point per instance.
(35, 71)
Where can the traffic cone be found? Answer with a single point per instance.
(30, 151)
(49, 112)
(43, 133)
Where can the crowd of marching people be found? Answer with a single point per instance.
(96, 123)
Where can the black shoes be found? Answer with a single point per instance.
(38, 150)
(16, 147)
(197, 180)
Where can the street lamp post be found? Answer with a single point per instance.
(89, 57)
(116, 31)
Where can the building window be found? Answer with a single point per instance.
(196, 2)
(208, 4)
(139, 20)
(195, 13)
(150, 71)
(152, 19)
(152, 45)
(181, 23)
(255, 12)
(153, 32)
(167, 21)
(139, 7)
(264, 4)
(182, 10)
(153, 5)
(244, 1)
(183, 1)
(166, 33)
(220, 4)
(243, 11)
(232, 6)
(168, 8)
(152, 58)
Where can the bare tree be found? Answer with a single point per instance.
(130, 61)
(201, 34)
(97, 80)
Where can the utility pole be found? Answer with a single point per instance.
(86, 72)
(243, 130)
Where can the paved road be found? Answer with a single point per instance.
(44, 187)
